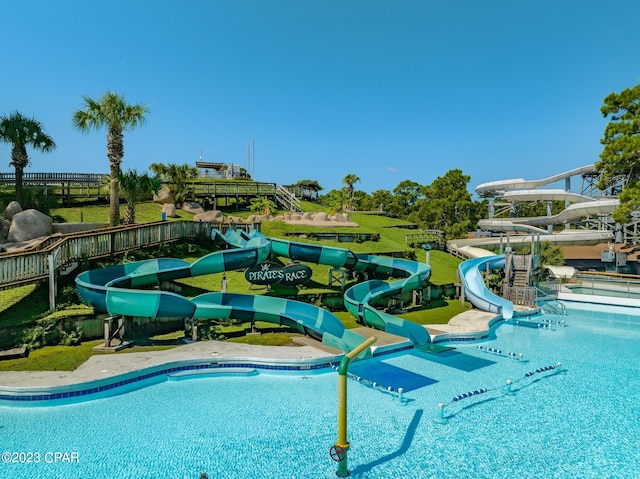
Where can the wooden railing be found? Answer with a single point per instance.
(52, 178)
(30, 266)
(231, 188)
(432, 237)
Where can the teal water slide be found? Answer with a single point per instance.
(120, 290)
(358, 298)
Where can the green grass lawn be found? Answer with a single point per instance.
(20, 307)
(145, 212)
(67, 358)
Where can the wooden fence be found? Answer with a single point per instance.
(56, 253)
(435, 238)
(53, 178)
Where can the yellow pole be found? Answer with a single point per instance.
(342, 441)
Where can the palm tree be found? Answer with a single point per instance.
(20, 132)
(349, 180)
(135, 187)
(177, 176)
(262, 205)
(112, 111)
(551, 255)
(338, 200)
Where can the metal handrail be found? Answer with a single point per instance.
(543, 297)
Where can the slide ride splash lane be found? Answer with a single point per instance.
(520, 190)
(476, 290)
(116, 290)
(358, 298)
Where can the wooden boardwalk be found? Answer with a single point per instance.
(209, 192)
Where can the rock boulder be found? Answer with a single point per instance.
(169, 209)
(214, 216)
(163, 195)
(192, 207)
(12, 209)
(28, 225)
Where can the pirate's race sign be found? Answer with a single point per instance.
(268, 272)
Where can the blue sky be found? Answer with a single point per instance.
(388, 90)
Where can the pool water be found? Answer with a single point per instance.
(581, 420)
(621, 293)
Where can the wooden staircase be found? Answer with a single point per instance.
(518, 288)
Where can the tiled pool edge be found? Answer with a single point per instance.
(44, 395)
(88, 389)
(70, 391)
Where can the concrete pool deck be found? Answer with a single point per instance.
(104, 366)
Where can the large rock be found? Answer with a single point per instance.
(214, 216)
(192, 207)
(163, 195)
(28, 225)
(169, 209)
(12, 209)
(4, 230)
(321, 217)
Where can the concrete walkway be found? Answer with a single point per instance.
(108, 365)
(469, 323)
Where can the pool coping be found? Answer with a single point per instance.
(104, 373)
(170, 369)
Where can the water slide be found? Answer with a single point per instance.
(475, 289)
(492, 188)
(520, 190)
(359, 298)
(126, 289)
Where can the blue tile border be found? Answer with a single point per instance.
(45, 397)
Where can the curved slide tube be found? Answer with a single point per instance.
(358, 297)
(117, 290)
(572, 212)
(492, 188)
(476, 290)
(525, 190)
(520, 190)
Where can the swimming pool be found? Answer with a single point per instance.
(580, 420)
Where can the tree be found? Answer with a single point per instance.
(550, 254)
(620, 157)
(309, 188)
(262, 205)
(349, 181)
(335, 200)
(405, 196)
(447, 205)
(135, 187)
(309, 184)
(177, 176)
(113, 112)
(379, 200)
(21, 131)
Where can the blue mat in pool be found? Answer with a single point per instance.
(390, 376)
(454, 359)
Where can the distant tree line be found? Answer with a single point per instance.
(445, 204)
